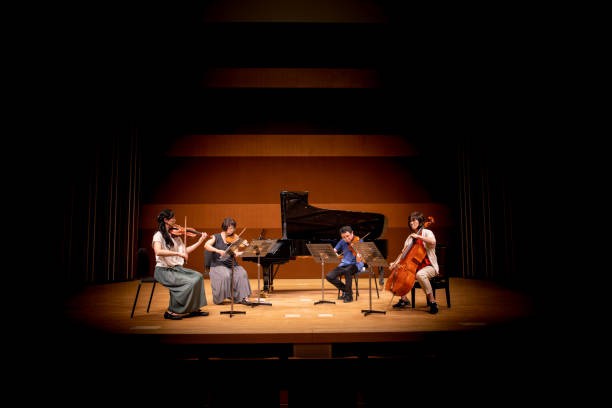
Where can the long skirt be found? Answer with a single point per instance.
(220, 282)
(186, 288)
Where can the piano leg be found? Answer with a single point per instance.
(266, 279)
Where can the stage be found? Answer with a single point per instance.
(294, 318)
(480, 341)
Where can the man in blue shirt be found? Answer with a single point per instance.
(348, 267)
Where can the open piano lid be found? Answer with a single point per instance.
(303, 221)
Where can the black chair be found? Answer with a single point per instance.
(207, 260)
(142, 269)
(442, 280)
(356, 280)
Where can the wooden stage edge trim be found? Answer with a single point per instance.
(290, 338)
(312, 338)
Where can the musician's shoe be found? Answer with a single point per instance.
(433, 308)
(245, 301)
(347, 298)
(198, 313)
(401, 304)
(171, 316)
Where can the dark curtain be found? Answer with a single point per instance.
(101, 198)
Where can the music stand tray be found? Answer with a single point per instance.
(373, 257)
(259, 248)
(323, 253)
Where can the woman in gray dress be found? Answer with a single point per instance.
(221, 270)
(186, 286)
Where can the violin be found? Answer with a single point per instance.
(356, 254)
(403, 275)
(178, 231)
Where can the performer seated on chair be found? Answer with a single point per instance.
(186, 286)
(429, 266)
(348, 267)
(221, 271)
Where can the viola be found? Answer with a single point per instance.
(230, 239)
(179, 231)
(402, 277)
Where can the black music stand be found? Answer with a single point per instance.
(228, 253)
(323, 253)
(373, 257)
(259, 248)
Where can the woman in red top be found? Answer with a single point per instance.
(428, 268)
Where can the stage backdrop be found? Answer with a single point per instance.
(209, 177)
(214, 116)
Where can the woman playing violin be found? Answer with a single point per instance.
(349, 266)
(221, 269)
(186, 286)
(428, 268)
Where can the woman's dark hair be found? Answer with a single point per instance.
(167, 214)
(227, 222)
(417, 216)
(344, 229)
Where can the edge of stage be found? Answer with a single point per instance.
(294, 325)
(488, 334)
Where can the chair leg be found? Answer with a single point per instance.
(412, 297)
(356, 279)
(151, 297)
(135, 299)
(447, 289)
(340, 278)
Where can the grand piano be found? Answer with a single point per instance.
(304, 224)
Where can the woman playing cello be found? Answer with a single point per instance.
(428, 268)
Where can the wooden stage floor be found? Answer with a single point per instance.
(486, 336)
(293, 317)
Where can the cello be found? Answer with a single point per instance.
(403, 275)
